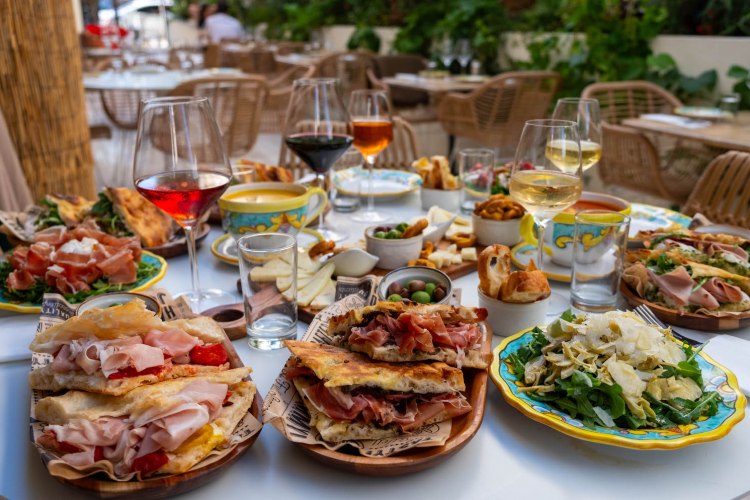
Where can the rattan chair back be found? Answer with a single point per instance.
(403, 150)
(274, 112)
(349, 67)
(621, 100)
(723, 192)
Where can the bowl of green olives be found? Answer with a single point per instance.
(420, 284)
(394, 251)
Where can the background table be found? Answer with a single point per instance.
(158, 81)
(433, 85)
(510, 457)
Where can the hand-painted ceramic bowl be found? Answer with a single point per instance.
(266, 207)
(559, 235)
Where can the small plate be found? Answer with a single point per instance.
(386, 183)
(649, 217)
(703, 113)
(145, 283)
(225, 249)
(718, 378)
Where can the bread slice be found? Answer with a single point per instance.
(72, 208)
(341, 368)
(142, 217)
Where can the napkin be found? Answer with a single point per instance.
(680, 121)
(733, 353)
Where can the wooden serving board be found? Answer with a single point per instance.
(417, 459)
(178, 244)
(168, 486)
(687, 319)
(453, 271)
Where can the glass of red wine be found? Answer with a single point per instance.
(373, 132)
(318, 131)
(181, 166)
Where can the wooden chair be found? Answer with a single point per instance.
(493, 115)
(723, 192)
(630, 158)
(238, 104)
(349, 67)
(274, 112)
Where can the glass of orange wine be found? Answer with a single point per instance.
(542, 185)
(181, 166)
(373, 132)
(586, 113)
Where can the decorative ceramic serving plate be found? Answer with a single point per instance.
(224, 247)
(158, 262)
(716, 377)
(386, 183)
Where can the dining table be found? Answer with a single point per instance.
(151, 78)
(732, 133)
(511, 456)
(437, 85)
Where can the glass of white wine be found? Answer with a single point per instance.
(543, 186)
(586, 113)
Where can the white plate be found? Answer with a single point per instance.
(224, 247)
(703, 113)
(354, 182)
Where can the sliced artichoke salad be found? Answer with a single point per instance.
(613, 370)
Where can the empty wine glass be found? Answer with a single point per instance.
(586, 113)
(463, 54)
(446, 53)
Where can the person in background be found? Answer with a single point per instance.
(221, 25)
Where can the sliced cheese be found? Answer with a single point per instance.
(469, 253)
(326, 297)
(285, 282)
(270, 271)
(443, 258)
(317, 283)
(304, 262)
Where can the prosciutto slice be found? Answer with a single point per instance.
(86, 436)
(55, 235)
(702, 298)
(723, 291)
(173, 342)
(676, 285)
(139, 356)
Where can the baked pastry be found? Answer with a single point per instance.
(114, 350)
(164, 428)
(59, 209)
(399, 332)
(122, 211)
(436, 173)
(351, 397)
(519, 287)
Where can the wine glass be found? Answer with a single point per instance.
(446, 53)
(318, 131)
(463, 54)
(181, 166)
(586, 113)
(373, 132)
(542, 185)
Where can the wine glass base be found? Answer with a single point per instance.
(208, 298)
(330, 234)
(371, 216)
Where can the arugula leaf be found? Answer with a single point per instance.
(568, 316)
(51, 216)
(665, 264)
(658, 239)
(109, 220)
(527, 352)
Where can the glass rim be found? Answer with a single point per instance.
(476, 151)
(290, 243)
(550, 123)
(174, 100)
(315, 81)
(619, 217)
(578, 99)
(370, 92)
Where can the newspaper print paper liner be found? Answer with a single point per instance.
(284, 409)
(55, 309)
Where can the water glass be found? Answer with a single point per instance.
(268, 273)
(476, 171)
(731, 103)
(599, 245)
(347, 200)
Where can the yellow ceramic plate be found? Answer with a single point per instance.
(138, 286)
(731, 409)
(385, 183)
(225, 249)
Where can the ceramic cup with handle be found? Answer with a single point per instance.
(560, 234)
(264, 207)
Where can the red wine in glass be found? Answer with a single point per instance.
(320, 152)
(185, 195)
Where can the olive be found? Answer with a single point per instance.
(416, 286)
(394, 287)
(421, 297)
(380, 234)
(394, 297)
(429, 288)
(393, 234)
(382, 229)
(404, 292)
(439, 293)
(402, 227)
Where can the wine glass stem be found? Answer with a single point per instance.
(322, 184)
(541, 225)
(370, 184)
(190, 237)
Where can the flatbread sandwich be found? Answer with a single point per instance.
(352, 397)
(114, 350)
(398, 332)
(164, 428)
(62, 210)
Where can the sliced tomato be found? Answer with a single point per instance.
(98, 453)
(226, 398)
(66, 448)
(150, 462)
(209, 354)
(130, 372)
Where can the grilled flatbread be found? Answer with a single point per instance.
(69, 210)
(140, 216)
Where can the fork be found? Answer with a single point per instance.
(648, 315)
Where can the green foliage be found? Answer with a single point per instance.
(742, 86)
(663, 70)
(364, 37)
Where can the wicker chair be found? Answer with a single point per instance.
(274, 112)
(238, 104)
(723, 192)
(493, 115)
(349, 67)
(659, 166)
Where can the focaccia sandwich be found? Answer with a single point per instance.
(62, 210)
(114, 350)
(164, 428)
(351, 397)
(398, 332)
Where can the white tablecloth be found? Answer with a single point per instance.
(511, 456)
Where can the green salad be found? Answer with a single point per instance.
(613, 370)
(108, 219)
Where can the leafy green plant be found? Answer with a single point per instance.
(663, 70)
(364, 37)
(742, 86)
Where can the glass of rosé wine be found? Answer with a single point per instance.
(181, 166)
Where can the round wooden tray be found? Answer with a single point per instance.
(168, 486)
(416, 459)
(178, 244)
(686, 319)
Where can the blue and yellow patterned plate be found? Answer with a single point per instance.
(386, 183)
(225, 249)
(649, 217)
(716, 376)
(158, 262)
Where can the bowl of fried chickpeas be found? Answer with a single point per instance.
(497, 220)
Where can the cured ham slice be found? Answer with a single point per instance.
(55, 235)
(723, 291)
(139, 356)
(676, 285)
(127, 273)
(702, 298)
(20, 280)
(38, 258)
(17, 258)
(173, 342)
